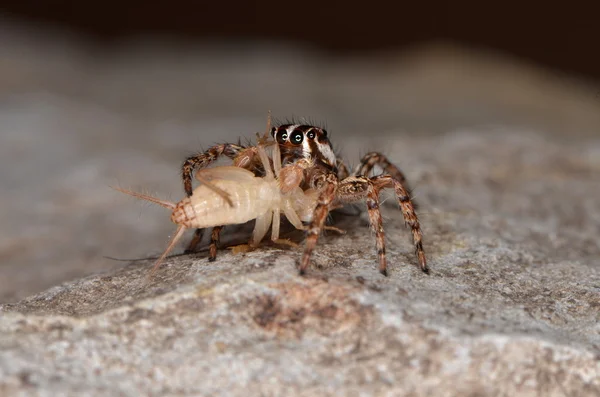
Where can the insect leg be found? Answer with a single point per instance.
(260, 228)
(292, 216)
(275, 225)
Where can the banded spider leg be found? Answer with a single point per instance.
(359, 188)
(246, 157)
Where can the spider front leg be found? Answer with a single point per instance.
(370, 160)
(203, 160)
(324, 203)
(343, 171)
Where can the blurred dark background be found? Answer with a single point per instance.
(560, 36)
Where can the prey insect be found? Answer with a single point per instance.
(233, 195)
(246, 157)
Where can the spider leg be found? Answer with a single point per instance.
(397, 180)
(324, 202)
(343, 171)
(203, 160)
(215, 236)
(377, 225)
(195, 241)
(370, 160)
(362, 188)
(357, 188)
(408, 212)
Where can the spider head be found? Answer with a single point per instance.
(304, 141)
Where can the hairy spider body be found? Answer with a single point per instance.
(233, 195)
(310, 162)
(300, 143)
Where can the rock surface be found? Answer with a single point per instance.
(504, 160)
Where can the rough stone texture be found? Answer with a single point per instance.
(505, 160)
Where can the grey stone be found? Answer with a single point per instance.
(504, 159)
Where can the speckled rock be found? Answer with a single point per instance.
(508, 202)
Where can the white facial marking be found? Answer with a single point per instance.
(306, 152)
(326, 151)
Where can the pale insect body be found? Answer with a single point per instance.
(232, 195)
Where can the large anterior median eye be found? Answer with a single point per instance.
(282, 136)
(296, 137)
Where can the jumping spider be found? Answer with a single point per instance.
(309, 161)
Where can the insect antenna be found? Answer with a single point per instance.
(178, 234)
(163, 203)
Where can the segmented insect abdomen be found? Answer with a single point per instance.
(206, 208)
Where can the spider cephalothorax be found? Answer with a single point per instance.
(310, 162)
(307, 155)
(298, 141)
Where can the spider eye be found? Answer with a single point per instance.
(273, 131)
(296, 137)
(282, 137)
(324, 133)
(311, 135)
